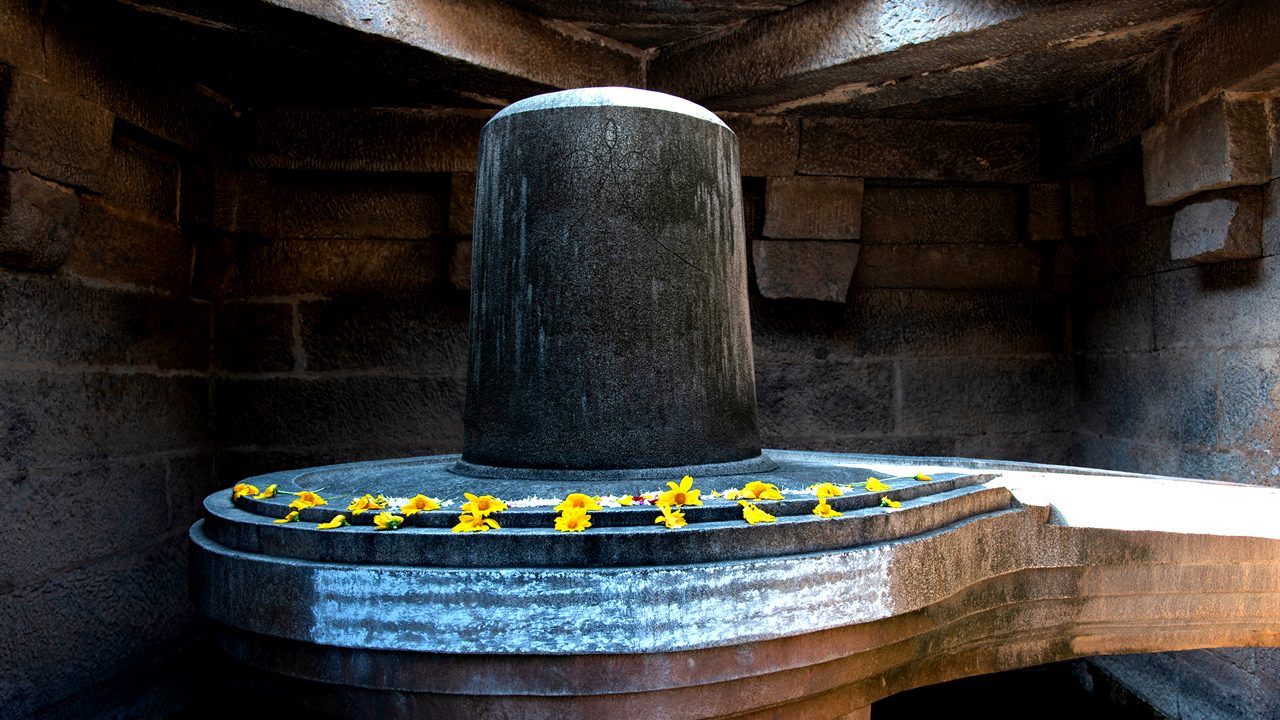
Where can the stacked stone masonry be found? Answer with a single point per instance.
(193, 291)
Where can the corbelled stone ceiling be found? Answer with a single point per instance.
(958, 59)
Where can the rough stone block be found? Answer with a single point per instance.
(808, 269)
(972, 266)
(1048, 211)
(824, 398)
(1138, 249)
(462, 202)
(768, 144)
(460, 265)
(813, 208)
(1271, 219)
(91, 501)
(329, 206)
(54, 134)
(120, 248)
(62, 418)
(1223, 228)
(37, 219)
(292, 267)
(254, 337)
(921, 323)
(906, 214)
(343, 413)
(1167, 397)
(21, 36)
(919, 149)
(1053, 448)
(1249, 399)
(375, 140)
(127, 608)
(1116, 317)
(191, 478)
(1223, 142)
(1085, 209)
(1201, 307)
(1111, 453)
(143, 181)
(60, 321)
(420, 333)
(1234, 48)
(994, 395)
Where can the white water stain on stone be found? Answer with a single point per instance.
(617, 610)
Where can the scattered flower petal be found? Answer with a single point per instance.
(874, 485)
(753, 514)
(419, 503)
(922, 477)
(824, 510)
(291, 517)
(625, 500)
(573, 519)
(366, 503)
(756, 490)
(671, 518)
(242, 489)
(681, 494)
(827, 490)
(307, 499)
(731, 494)
(578, 501)
(484, 505)
(474, 522)
(267, 492)
(387, 521)
(889, 503)
(337, 522)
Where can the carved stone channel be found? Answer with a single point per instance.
(610, 352)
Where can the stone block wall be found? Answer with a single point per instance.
(105, 414)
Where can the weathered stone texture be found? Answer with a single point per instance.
(824, 397)
(111, 245)
(953, 266)
(319, 206)
(339, 412)
(769, 144)
(121, 606)
(1218, 229)
(807, 269)
(54, 134)
(1223, 142)
(421, 333)
(1234, 49)
(291, 267)
(1116, 317)
(1163, 397)
(1048, 211)
(143, 181)
(907, 214)
(63, 322)
(380, 140)
(914, 149)
(1114, 114)
(37, 219)
(1228, 304)
(460, 264)
(21, 36)
(929, 323)
(254, 337)
(968, 396)
(813, 208)
(1249, 400)
(462, 203)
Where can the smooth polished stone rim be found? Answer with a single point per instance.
(758, 464)
(610, 96)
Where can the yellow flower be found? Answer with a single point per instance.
(753, 514)
(474, 522)
(291, 517)
(337, 522)
(874, 485)
(681, 494)
(419, 503)
(823, 510)
(387, 521)
(365, 504)
(573, 519)
(578, 501)
(242, 489)
(827, 490)
(267, 492)
(307, 499)
(886, 502)
(756, 490)
(624, 500)
(731, 494)
(922, 477)
(671, 518)
(484, 506)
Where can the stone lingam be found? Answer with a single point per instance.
(610, 353)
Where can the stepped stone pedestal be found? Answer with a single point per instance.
(610, 353)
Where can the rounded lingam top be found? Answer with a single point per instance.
(610, 96)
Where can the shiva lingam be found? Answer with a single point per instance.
(610, 353)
